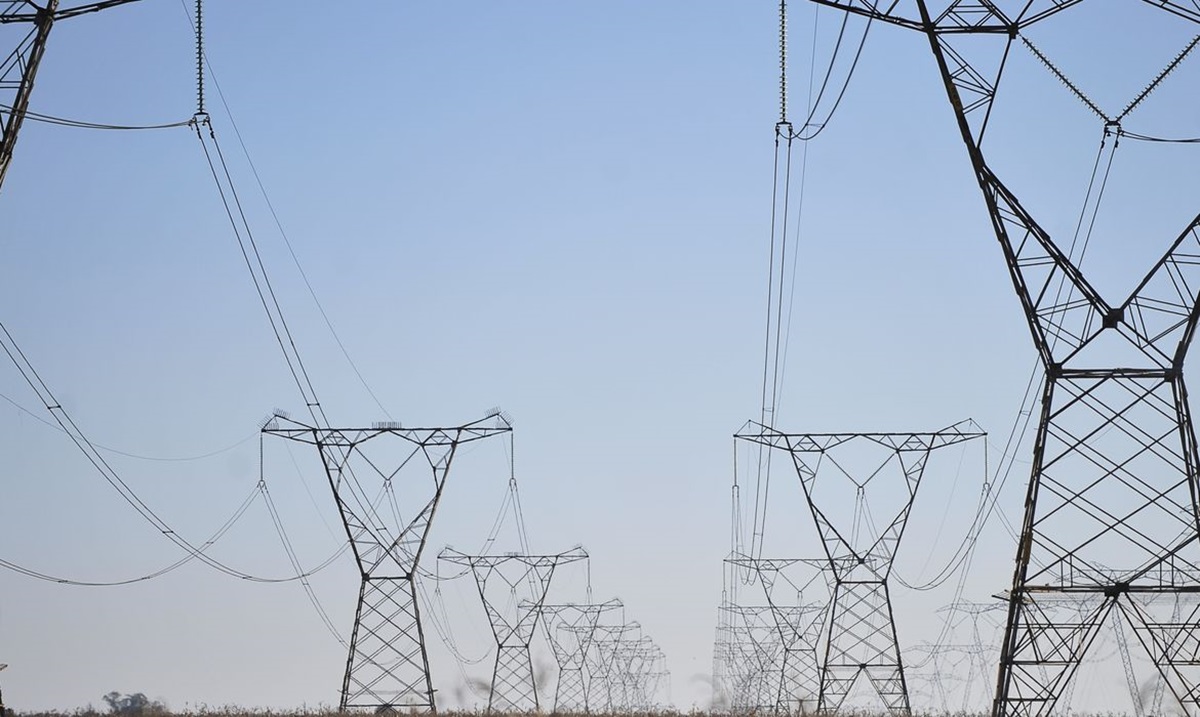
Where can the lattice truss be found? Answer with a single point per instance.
(1111, 509)
(387, 482)
(570, 629)
(23, 31)
(957, 673)
(754, 653)
(626, 670)
(845, 469)
(633, 670)
(604, 682)
(797, 611)
(513, 589)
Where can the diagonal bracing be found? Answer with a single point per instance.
(861, 644)
(387, 482)
(570, 629)
(1111, 516)
(513, 689)
(799, 625)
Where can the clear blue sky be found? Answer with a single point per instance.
(562, 209)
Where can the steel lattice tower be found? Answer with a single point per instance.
(513, 687)
(19, 67)
(861, 639)
(959, 667)
(799, 626)
(387, 665)
(603, 673)
(1111, 511)
(570, 629)
(756, 655)
(634, 669)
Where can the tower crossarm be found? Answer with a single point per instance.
(959, 16)
(850, 556)
(514, 570)
(570, 628)
(362, 477)
(14, 11)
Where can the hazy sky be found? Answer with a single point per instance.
(561, 209)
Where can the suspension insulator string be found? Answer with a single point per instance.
(200, 111)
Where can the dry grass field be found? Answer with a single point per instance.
(229, 711)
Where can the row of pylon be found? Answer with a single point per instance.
(1110, 534)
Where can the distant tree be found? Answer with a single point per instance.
(131, 705)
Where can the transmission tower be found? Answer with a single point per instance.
(19, 67)
(604, 680)
(959, 667)
(799, 626)
(387, 665)
(861, 640)
(570, 629)
(1111, 510)
(756, 655)
(634, 669)
(513, 687)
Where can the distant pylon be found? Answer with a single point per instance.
(570, 629)
(387, 665)
(756, 654)
(861, 639)
(799, 623)
(513, 686)
(604, 680)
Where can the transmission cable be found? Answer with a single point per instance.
(110, 475)
(233, 519)
(82, 124)
(291, 552)
(805, 134)
(202, 64)
(128, 454)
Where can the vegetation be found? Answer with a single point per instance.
(158, 710)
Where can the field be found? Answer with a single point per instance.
(205, 711)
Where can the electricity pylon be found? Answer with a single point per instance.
(635, 670)
(861, 639)
(1111, 511)
(959, 668)
(513, 687)
(756, 654)
(570, 629)
(603, 677)
(387, 665)
(799, 625)
(19, 67)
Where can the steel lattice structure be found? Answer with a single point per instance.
(799, 628)
(570, 629)
(19, 67)
(513, 686)
(633, 668)
(603, 674)
(959, 674)
(861, 638)
(387, 665)
(1111, 510)
(755, 653)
